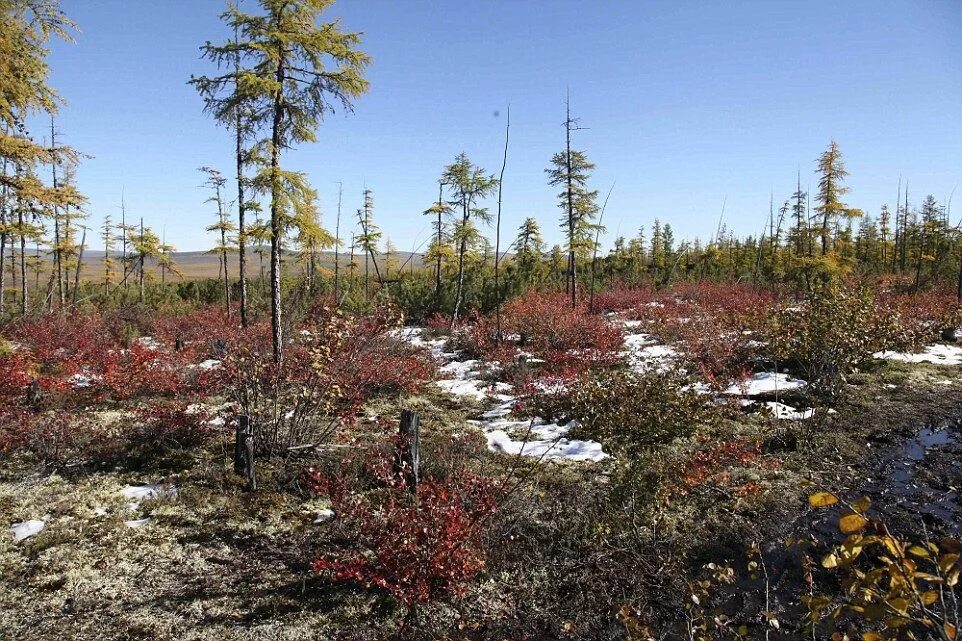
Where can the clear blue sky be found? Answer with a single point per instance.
(685, 103)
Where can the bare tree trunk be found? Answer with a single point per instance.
(572, 265)
(437, 270)
(143, 259)
(276, 227)
(23, 263)
(497, 231)
(462, 248)
(241, 203)
(80, 260)
(594, 256)
(337, 245)
(223, 244)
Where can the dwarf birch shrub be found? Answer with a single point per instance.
(834, 332)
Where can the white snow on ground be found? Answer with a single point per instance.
(137, 522)
(138, 493)
(149, 342)
(538, 439)
(210, 363)
(644, 354)
(534, 438)
(414, 336)
(782, 411)
(324, 516)
(938, 354)
(26, 529)
(764, 383)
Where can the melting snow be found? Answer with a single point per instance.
(462, 378)
(764, 383)
(787, 412)
(540, 440)
(26, 529)
(938, 354)
(644, 354)
(137, 522)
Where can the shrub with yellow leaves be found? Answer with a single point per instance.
(895, 588)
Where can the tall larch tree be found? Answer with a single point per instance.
(26, 28)
(292, 72)
(570, 169)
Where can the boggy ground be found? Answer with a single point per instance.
(216, 562)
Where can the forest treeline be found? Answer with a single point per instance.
(271, 83)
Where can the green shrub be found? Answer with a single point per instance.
(834, 332)
(632, 415)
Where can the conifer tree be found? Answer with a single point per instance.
(368, 240)
(224, 228)
(26, 27)
(570, 169)
(107, 237)
(831, 176)
(468, 184)
(438, 250)
(292, 71)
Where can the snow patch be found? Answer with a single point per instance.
(938, 354)
(764, 383)
(26, 529)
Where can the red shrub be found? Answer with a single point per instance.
(923, 315)
(621, 299)
(173, 423)
(417, 549)
(545, 325)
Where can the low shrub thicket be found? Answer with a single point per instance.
(834, 332)
(416, 548)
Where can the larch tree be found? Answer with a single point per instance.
(145, 245)
(107, 236)
(292, 71)
(830, 208)
(224, 228)
(26, 27)
(570, 169)
(439, 250)
(368, 239)
(468, 184)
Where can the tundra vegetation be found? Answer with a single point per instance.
(739, 438)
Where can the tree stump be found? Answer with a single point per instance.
(34, 393)
(407, 461)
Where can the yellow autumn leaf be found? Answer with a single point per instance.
(872, 636)
(822, 499)
(919, 551)
(852, 523)
(950, 630)
(930, 597)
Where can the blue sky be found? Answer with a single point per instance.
(685, 104)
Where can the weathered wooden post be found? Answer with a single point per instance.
(244, 450)
(408, 457)
(219, 348)
(34, 393)
(178, 344)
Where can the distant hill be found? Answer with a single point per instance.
(198, 264)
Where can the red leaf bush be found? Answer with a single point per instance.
(415, 548)
(545, 325)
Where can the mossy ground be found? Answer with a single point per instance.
(217, 562)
